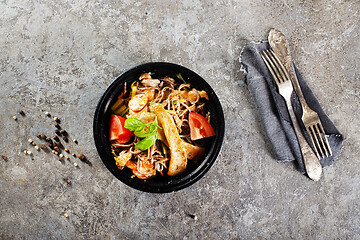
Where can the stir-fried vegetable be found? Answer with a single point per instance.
(147, 147)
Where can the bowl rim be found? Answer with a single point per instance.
(172, 185)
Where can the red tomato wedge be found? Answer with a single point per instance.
(117, 130)
(199, 127)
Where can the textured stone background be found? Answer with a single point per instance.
(59, 56)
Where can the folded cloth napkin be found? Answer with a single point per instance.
(273, 111)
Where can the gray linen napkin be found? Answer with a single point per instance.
(273, 111)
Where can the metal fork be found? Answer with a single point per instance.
(281, 77)
(310, 118)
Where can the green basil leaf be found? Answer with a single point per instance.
(134, 124)
(142, 133)
(153, 126)
(148, 141)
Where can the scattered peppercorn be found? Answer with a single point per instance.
(14, 117)
(65, 139)
(75, 141)
(48, 114)
(37, 148)
(56, 138)
(56, 153)
(73, 154)
(25, 151)
(33, 143)
(57, 126)
(59, 145)
(75, 164)
(63, 132)
(22, 113)
(68, 181)
(4, 157)
(67, 157)
(65, 215)
(30, 140)
(56, 119)
(81, 157)
(61, 155)
(193, 216)
(67, 150)
(28, 152)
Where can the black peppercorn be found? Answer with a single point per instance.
(22, 113)
(57, 126)
(81, 157)
(58, 144)
(65, 139)
(63, 132)
(56, 138)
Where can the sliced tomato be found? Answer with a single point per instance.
(199, 127)
(122, 140)
(117, 130)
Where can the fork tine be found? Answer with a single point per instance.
(322, 145)
(273, 64)
(318, 145)
(326, 145)
(311, 133)
(262, 54)
(280, 64)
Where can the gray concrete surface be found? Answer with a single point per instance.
(59, 56)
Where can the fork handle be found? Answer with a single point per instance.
(312, 165)
(280, 45)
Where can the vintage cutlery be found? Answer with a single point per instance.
(310, 118)
(281, 77)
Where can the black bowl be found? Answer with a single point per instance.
(158, 184)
